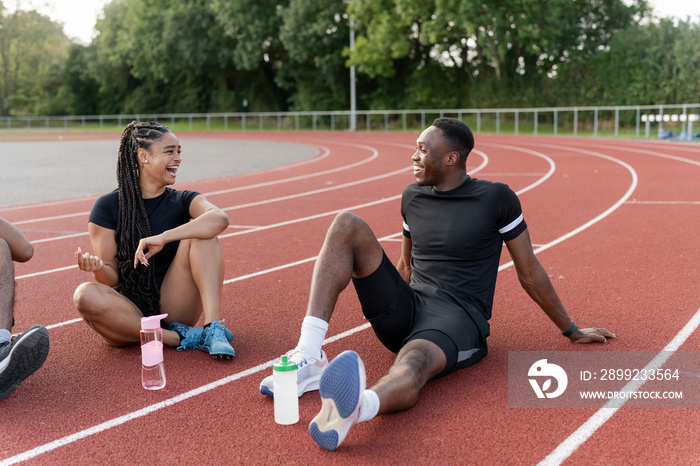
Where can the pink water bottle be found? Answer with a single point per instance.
(152, 367)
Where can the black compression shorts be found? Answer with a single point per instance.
(398, 315)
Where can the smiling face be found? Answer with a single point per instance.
(160, 162)
(431, 158)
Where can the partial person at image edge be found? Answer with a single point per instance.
(25, 353)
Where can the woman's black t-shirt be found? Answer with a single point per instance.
(167, 211)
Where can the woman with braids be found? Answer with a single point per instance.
(156, 251)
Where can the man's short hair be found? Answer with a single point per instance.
(457, 135)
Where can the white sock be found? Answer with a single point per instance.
(313, 332)
(5, 335)
(369, 406)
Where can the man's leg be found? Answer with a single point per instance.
(7, 287)
(417, 363)
(24, 355)
(349, 250)
(345, 401)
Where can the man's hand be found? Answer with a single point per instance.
(591, 335)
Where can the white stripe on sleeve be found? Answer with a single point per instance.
(511, 225)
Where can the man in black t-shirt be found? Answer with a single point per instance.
(433, 308)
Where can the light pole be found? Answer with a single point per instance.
(353, 104)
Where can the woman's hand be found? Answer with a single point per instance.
(87, 262)
(147, 248)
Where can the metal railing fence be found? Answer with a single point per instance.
(618, 121)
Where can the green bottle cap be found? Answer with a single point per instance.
(284, 365)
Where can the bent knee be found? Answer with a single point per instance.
(87, 298)
(199, 243)
(347, 223)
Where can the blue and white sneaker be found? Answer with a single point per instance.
(215, 341)
(341, 387)
(308, 372)
(191, 337)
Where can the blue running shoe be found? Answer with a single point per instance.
(341, 387)
(191, 337)
(215, 342)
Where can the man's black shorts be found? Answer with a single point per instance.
(398, 315)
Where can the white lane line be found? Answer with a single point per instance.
(552, 166)
(588, 428)
(45, 272)
(610, 210)
(57, 238)
(45, 204)
(373, 151)
(656, 154)
(634, 201)
(317, 191)
(48, 219)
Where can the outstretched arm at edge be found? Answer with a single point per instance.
(20, 248)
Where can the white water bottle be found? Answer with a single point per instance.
(152, 366)
(286, 399)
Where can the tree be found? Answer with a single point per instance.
(80, 88)
(657, 62)
(257, 53)
(513, 45)
(314, 35)
(167, 59)
(32, 47)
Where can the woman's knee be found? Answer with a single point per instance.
(195, 248)
(88, 298)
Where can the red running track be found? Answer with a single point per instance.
(613, 223)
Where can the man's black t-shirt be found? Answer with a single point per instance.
(167, 211)
(457, 239)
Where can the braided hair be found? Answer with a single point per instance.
(133, 225)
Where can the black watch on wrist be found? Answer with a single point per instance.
(571, 329)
